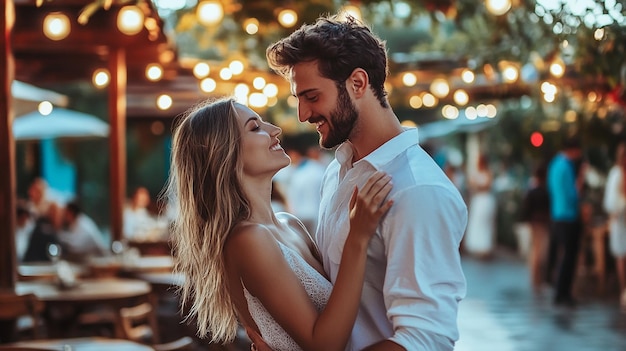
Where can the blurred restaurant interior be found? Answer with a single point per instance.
(90, 89)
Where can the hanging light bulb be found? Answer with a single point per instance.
(287, 18)
(498, 7)
(130, 20)
(409, 79)
(210, 12)
(101, 78)
(439, 87)
(164, 102)
(45, 108)
(201, 70)
(251, 26)
(56, 26)
(154, 72)
(461, 97)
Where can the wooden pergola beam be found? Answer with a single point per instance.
(8, 269)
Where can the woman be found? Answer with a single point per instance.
(243, 261)
(480, 235)
(615, 206)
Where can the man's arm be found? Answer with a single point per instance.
(424, 281)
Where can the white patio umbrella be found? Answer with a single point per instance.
(450, 126)
(60, 123)
(27, 97)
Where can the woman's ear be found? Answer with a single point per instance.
(357, 82)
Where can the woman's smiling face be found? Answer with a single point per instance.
(260, 148)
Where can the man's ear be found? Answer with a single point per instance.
(358, 82)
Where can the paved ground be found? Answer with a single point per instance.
(501, 312)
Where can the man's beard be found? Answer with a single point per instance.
(343, 119)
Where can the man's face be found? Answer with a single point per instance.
(320, 102)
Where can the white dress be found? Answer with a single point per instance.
(615, 205)
(481, 225)
(316, 286)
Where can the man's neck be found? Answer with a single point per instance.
(371, 132)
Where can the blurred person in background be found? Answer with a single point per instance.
(23, 230)
(303, 188)
(241, 260)
(79, 236)
(564, 181)
(41, 203)
(536, 212)
(137, 219)
(42, 236)
(480, 238)
(615, 205)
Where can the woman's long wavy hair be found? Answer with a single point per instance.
(204, 188)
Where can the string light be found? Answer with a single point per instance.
(498, 7)
(164, 102)
(101, 78)
(288, 18)
(154, 72)
(45, 108)
(130, 20)
(439, 87)
(210, 12)
(56, 26)
(201, 70)
(251, 26)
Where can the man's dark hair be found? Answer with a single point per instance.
(339, 47)
(73, 207)
(571, 143)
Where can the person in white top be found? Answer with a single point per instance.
(137, 220)
(80, 237)
(614, 202)
(243, 262)
(414, 279)
(480, 236)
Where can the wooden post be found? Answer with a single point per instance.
(8, 265)
(117, 139)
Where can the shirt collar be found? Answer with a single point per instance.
(383, 154)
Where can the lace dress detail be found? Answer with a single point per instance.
(316, 286)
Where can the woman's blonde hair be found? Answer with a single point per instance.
(204, 188)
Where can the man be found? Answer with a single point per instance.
(80, 237)
(564, 185)
(414, 280)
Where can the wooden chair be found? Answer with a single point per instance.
(139, 324)
(22, 313)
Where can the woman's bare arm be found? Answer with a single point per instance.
(256, 256)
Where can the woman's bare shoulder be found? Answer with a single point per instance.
(246, 235)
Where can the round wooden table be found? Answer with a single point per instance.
(45, 270)
(149, 264)
(84, 344)
(87, 291)
(64, 306)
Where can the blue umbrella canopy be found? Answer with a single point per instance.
(60, 123)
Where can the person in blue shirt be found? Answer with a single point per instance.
(564, 184)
